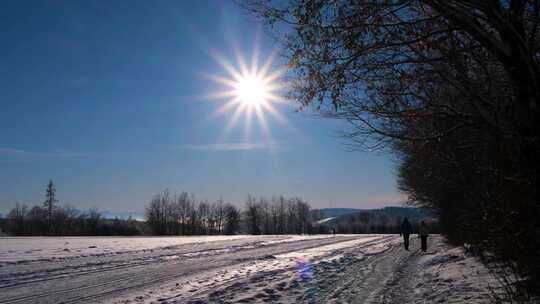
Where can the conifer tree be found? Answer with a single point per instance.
(49, 204)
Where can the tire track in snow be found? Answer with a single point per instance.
(275, 281)
(110, 261)
(84, 287)
(21, 278)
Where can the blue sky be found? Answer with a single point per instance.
(109, 99)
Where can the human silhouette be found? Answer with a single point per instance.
(423, 232)
(405, 231)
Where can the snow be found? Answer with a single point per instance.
(236, 269)
(324, 220)
(19, 249)
(450, 276)
(263, 279)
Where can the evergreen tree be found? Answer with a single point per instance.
(49, 204)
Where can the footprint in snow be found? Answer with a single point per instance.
(281, 286)
(246, 300)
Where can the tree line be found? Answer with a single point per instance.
(166, 214)
(450, 87)
(183, 214)
(52, 219)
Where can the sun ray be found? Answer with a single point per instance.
(255, 55)
(265, 67)
(274, 76)
(276, 114)
(233, 121)
(272, 98)
(224, 80)
(225, 108)
(219, 95)
(231, 70)
(263, 124)
(244, 70)
(247, 128)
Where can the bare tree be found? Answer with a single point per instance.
(282, 217)
(183, 207)
(71, 214)
(218, 210)
(274, 215)
(156, 212)
(93, 220)
(37, 221)
(451, 86)
(17, 218)
(303, 210)
(183, 214)
(231, 219)
(253, 215)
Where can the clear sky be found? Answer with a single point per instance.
(110, 99)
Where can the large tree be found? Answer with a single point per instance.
(451, 86)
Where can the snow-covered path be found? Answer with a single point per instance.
(358, 271)
(261, 269)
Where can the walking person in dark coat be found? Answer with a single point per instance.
(405, 231)
(423, 232)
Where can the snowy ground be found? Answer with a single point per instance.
(19, 249)
(238, 269)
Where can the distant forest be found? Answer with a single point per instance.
(182, 214)
(53, 219)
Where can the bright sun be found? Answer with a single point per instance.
(249, 91)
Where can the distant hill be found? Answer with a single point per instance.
(412, 213)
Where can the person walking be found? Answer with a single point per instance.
(423, 232)
(405, 231)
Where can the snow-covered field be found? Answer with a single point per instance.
(18, 249)
(237, 269)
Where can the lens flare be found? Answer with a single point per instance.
(304, 270)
